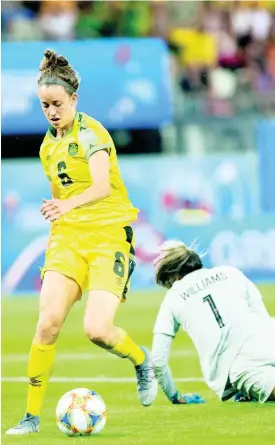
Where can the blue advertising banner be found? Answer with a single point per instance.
(266, 151)
(125, 83)
(215, 200)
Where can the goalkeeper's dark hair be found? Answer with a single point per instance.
(175, 262)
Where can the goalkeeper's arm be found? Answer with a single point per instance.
(160, 353)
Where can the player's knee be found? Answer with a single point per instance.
(48, 329)
(97, 334)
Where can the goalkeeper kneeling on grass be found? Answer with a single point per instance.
(224, 315)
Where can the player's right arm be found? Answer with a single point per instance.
(55, 194)
(160, 353)
(165, 330)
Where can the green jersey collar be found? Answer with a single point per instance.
(52, 131)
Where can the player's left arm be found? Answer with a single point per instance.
(96, 145)
(255, 300)
(252, 295)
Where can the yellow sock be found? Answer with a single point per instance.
(127, 348)
(39, 371)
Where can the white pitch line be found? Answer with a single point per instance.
(101, 379)
(11, 358)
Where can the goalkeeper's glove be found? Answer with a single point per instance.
(240, 397)
(186, 399)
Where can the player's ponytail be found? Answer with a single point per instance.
(174, 262)
(56, 70)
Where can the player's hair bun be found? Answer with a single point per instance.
(52, 60)
(55, 66)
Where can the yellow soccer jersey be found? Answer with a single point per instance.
(65, 162)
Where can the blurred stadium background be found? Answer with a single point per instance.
(187, 90)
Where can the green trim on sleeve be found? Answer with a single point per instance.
(94, 148)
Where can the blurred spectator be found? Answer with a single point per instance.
(241, 19)
(211, 18)
(261, 22)
(115, 18)
(18, 22)
(58, 19)
(135, 19)
(220, 48)
(95, 20)
(195, 79)
(270, 57)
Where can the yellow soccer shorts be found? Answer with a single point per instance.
(101, 259)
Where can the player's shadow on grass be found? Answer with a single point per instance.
(103, 436)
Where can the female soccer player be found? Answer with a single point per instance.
(223, 313)
(91, 239)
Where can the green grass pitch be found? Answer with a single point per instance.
(81, 364)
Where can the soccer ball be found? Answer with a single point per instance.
(81, 412)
